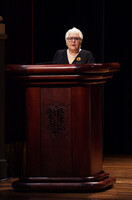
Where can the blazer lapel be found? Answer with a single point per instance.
(64, 57)
(79, 58)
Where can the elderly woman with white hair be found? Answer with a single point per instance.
(73, 54)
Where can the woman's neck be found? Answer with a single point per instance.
(71, 56)
(73, 53)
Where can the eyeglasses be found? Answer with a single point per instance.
(70, 39)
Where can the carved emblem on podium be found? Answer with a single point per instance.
(56, 118)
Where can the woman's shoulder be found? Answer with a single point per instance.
(59, 56)
(87, 56)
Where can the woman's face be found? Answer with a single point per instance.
(73, 42)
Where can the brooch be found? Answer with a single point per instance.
(78, 58)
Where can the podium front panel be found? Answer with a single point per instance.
(62, 124)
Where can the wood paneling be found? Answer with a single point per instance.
(96, 127)
(119, 166)
(64, 126)
(87, 133)
(81, 131)
(33, 130)
(56, 139)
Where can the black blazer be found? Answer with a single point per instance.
(83, 57)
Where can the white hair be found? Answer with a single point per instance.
(74, 30)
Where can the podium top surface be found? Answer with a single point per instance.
(64, 68)
(93, 73)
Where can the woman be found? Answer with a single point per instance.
(74, 54)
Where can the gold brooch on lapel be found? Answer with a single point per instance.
(78, 58)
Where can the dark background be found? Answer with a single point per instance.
(36, 30)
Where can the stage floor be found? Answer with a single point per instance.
(119, 166)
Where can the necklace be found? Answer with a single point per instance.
(73, 56)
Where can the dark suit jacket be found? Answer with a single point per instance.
(83, 57)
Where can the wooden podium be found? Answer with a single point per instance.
(64, 126)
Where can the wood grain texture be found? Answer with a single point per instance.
(118, 165)
(33, 131)
(56, 136)
(64, 124)
(64, 134)
(63, 74)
